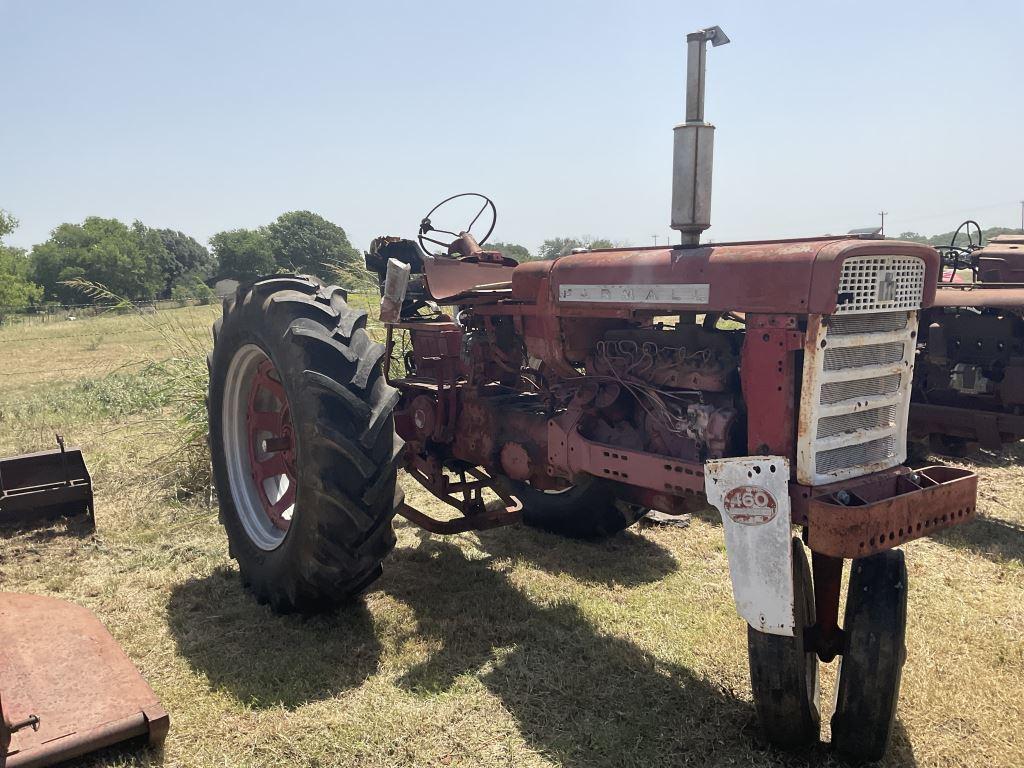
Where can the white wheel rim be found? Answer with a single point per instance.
(235, 435)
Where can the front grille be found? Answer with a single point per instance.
(880, 284)
(836, 391)
(841, 358)
(855, 394)
(846, 456)
(878, 322)
(851, 422)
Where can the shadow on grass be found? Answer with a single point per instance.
(75, 527)
(580, 697)
(264, 659)
(989, 536)
(626, 559)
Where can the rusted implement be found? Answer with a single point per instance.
(37, 487)
(67, 688)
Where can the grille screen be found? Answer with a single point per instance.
(879, 322)
(880, 283)
(836, 391)
(855, 394)
(876, 418)
(855, 455)
(841, 358)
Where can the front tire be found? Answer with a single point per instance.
(872, 663)
(784, 672)
(302, 442)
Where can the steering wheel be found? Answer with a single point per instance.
(426, 227)
(957, 257)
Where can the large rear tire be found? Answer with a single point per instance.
(302, 441)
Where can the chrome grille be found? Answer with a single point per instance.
(880, 284)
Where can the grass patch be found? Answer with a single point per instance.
(503, 648)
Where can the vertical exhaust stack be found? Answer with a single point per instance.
(694, 145)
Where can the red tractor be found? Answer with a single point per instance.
(969, 383)
(771, 379)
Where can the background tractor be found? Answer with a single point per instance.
(969, 384)
(772, 379)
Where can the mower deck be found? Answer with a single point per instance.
(68, 684)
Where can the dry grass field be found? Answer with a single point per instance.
(504, 648)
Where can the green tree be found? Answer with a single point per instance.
(302, 241)
(512, 250)
(17, 291)
(560, 246)
(129, 261)
(192, 287)
(189, 261)
(7, 223)
(243, 254)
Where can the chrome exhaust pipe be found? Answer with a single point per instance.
(694, 145)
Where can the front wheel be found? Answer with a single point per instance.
(784, 671)
(872, 664)
(302, 443)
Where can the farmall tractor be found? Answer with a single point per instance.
(771, 379)
(969, 382)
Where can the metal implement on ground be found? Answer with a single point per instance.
(771, 378)
(66, 687)
(36, 488)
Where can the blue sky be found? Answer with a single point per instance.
(205, 116)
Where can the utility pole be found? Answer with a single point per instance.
(883, 214)
(655, 240)
(1022, 216)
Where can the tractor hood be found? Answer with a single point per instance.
(782, 276)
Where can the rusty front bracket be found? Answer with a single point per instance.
(880, 513)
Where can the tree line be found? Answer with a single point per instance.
(141, 263)
(962, 238)
(144, 263)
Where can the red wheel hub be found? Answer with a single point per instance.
(271, 445)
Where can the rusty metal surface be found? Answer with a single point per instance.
(59, 663)
(447, 278)
(786, 277)
(769, 383)
(989, 428)
(992, 295)
(883, 512)
(478, 522)
(570, 454)
(37, 487)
